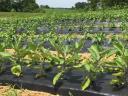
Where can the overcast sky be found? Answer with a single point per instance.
(59, 3)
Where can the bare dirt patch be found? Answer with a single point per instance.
(10, 91)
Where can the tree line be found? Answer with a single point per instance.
(95, 4)
(31, 5)
(18, 5)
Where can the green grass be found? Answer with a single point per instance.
(69, 13)
(46, 12)
(19, 14)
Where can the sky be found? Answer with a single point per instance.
(59, 3)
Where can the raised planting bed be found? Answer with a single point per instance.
(100, 71)
(69, 85)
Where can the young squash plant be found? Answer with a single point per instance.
(19, 53)
(121, 63)
(38, 55)
(95, 65)
(99, 38)
(67, 55)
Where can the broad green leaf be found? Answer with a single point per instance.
(118, 74)
(119, 46)
(80, 44)
(16, 70)
(57, 77)
(86, 84)
(79, 65)
(126, 52)
(88, 66)
(120, 62)
(94, 52)
(108, 52)
(5, 54)
(61, 61)
(115, 81)
(76, 45)
(66, 49)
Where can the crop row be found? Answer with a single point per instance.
(100, 21)
(28, 51)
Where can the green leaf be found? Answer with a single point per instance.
(79, 45)
(118, 74)
(66, 49)
(16, 70)
(76, 45)
(120, 62)
(61, 61)
(119, 47)
(88, 67)
(79, 65)
(114, 81)
(86, 84)
(5, 54)
(126, 52)
(57, 77)
(108, 52)
(94, 52)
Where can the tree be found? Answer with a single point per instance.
(5, 5)
(107, 3)
(29, 5)
(93, 4)
(44, 6)
(18, 5)
(81, 5)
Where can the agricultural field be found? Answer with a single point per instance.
(84, 50)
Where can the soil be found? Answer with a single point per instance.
(8, 91)
(84, 56)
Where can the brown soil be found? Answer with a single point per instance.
(83, 55)
(9, 91)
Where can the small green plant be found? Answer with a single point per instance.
(95, 65)
(121, 63)
(17, 58)
(38, 55)
(99, 38)
(67, 58)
